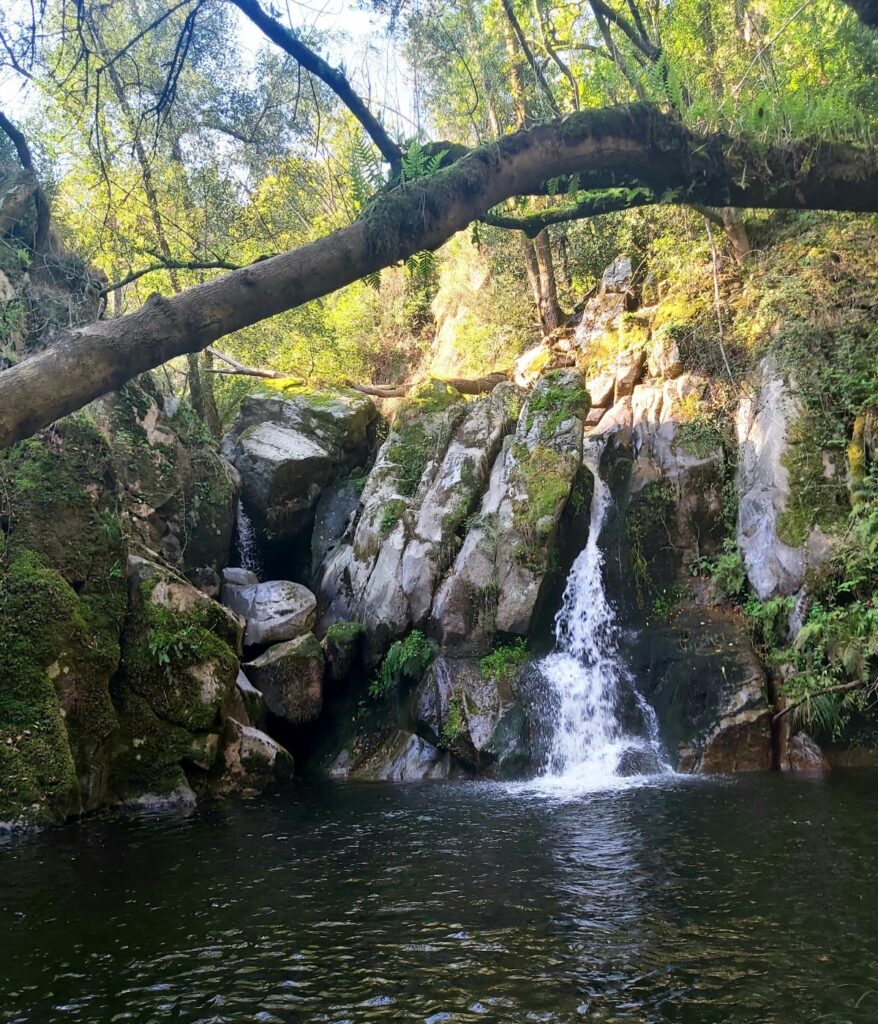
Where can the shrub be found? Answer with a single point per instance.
(405, 662)
(503, 662)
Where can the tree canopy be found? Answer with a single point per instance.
(216, 187)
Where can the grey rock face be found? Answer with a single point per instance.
(274, 611)
(763, 486)
(426, 480)
(289, 446)
(495, 580)
(290, 678)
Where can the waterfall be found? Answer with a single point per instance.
(245, 542)
(603, 729)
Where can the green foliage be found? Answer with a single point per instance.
(700, 436)
(405, 662)
(768, 623)
(453, 725)
(728, 576)
(504, 662)
(392, 514)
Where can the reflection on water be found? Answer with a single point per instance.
(697, 901)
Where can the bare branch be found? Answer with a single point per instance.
(291, 44)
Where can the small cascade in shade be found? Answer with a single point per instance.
(246, 543)
(603, 732)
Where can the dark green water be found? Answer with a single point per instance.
(702, 901)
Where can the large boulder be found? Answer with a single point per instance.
(290, 443)
(709, 693)
(495, 581)
(290, 678)
(180, 657)
(273, 611)
(773, 567)
(180, 493)
(251, 761)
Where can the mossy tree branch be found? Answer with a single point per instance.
(604, 146)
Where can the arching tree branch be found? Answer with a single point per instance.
(606, 146)
(291, 44)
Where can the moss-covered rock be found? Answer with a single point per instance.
(179, 491)
(290, 677)
(62, 603)
(180, 667)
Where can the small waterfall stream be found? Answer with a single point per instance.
(604, 730)
(245, 542)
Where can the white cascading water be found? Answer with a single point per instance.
(589, 684)
(245, 541)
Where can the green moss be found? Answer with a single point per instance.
(38, 614)
(544, 478)
(343, 634)
(556, 402)
(392, 514)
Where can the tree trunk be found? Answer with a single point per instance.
(550, 311)
(635, 143)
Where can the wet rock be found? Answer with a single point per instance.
(402, 757)
(252, 761)
(273, 611)
(290, 678)
(709, 691)
(495, 581)
(288, 445)
(478, 718)
(801, 754)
